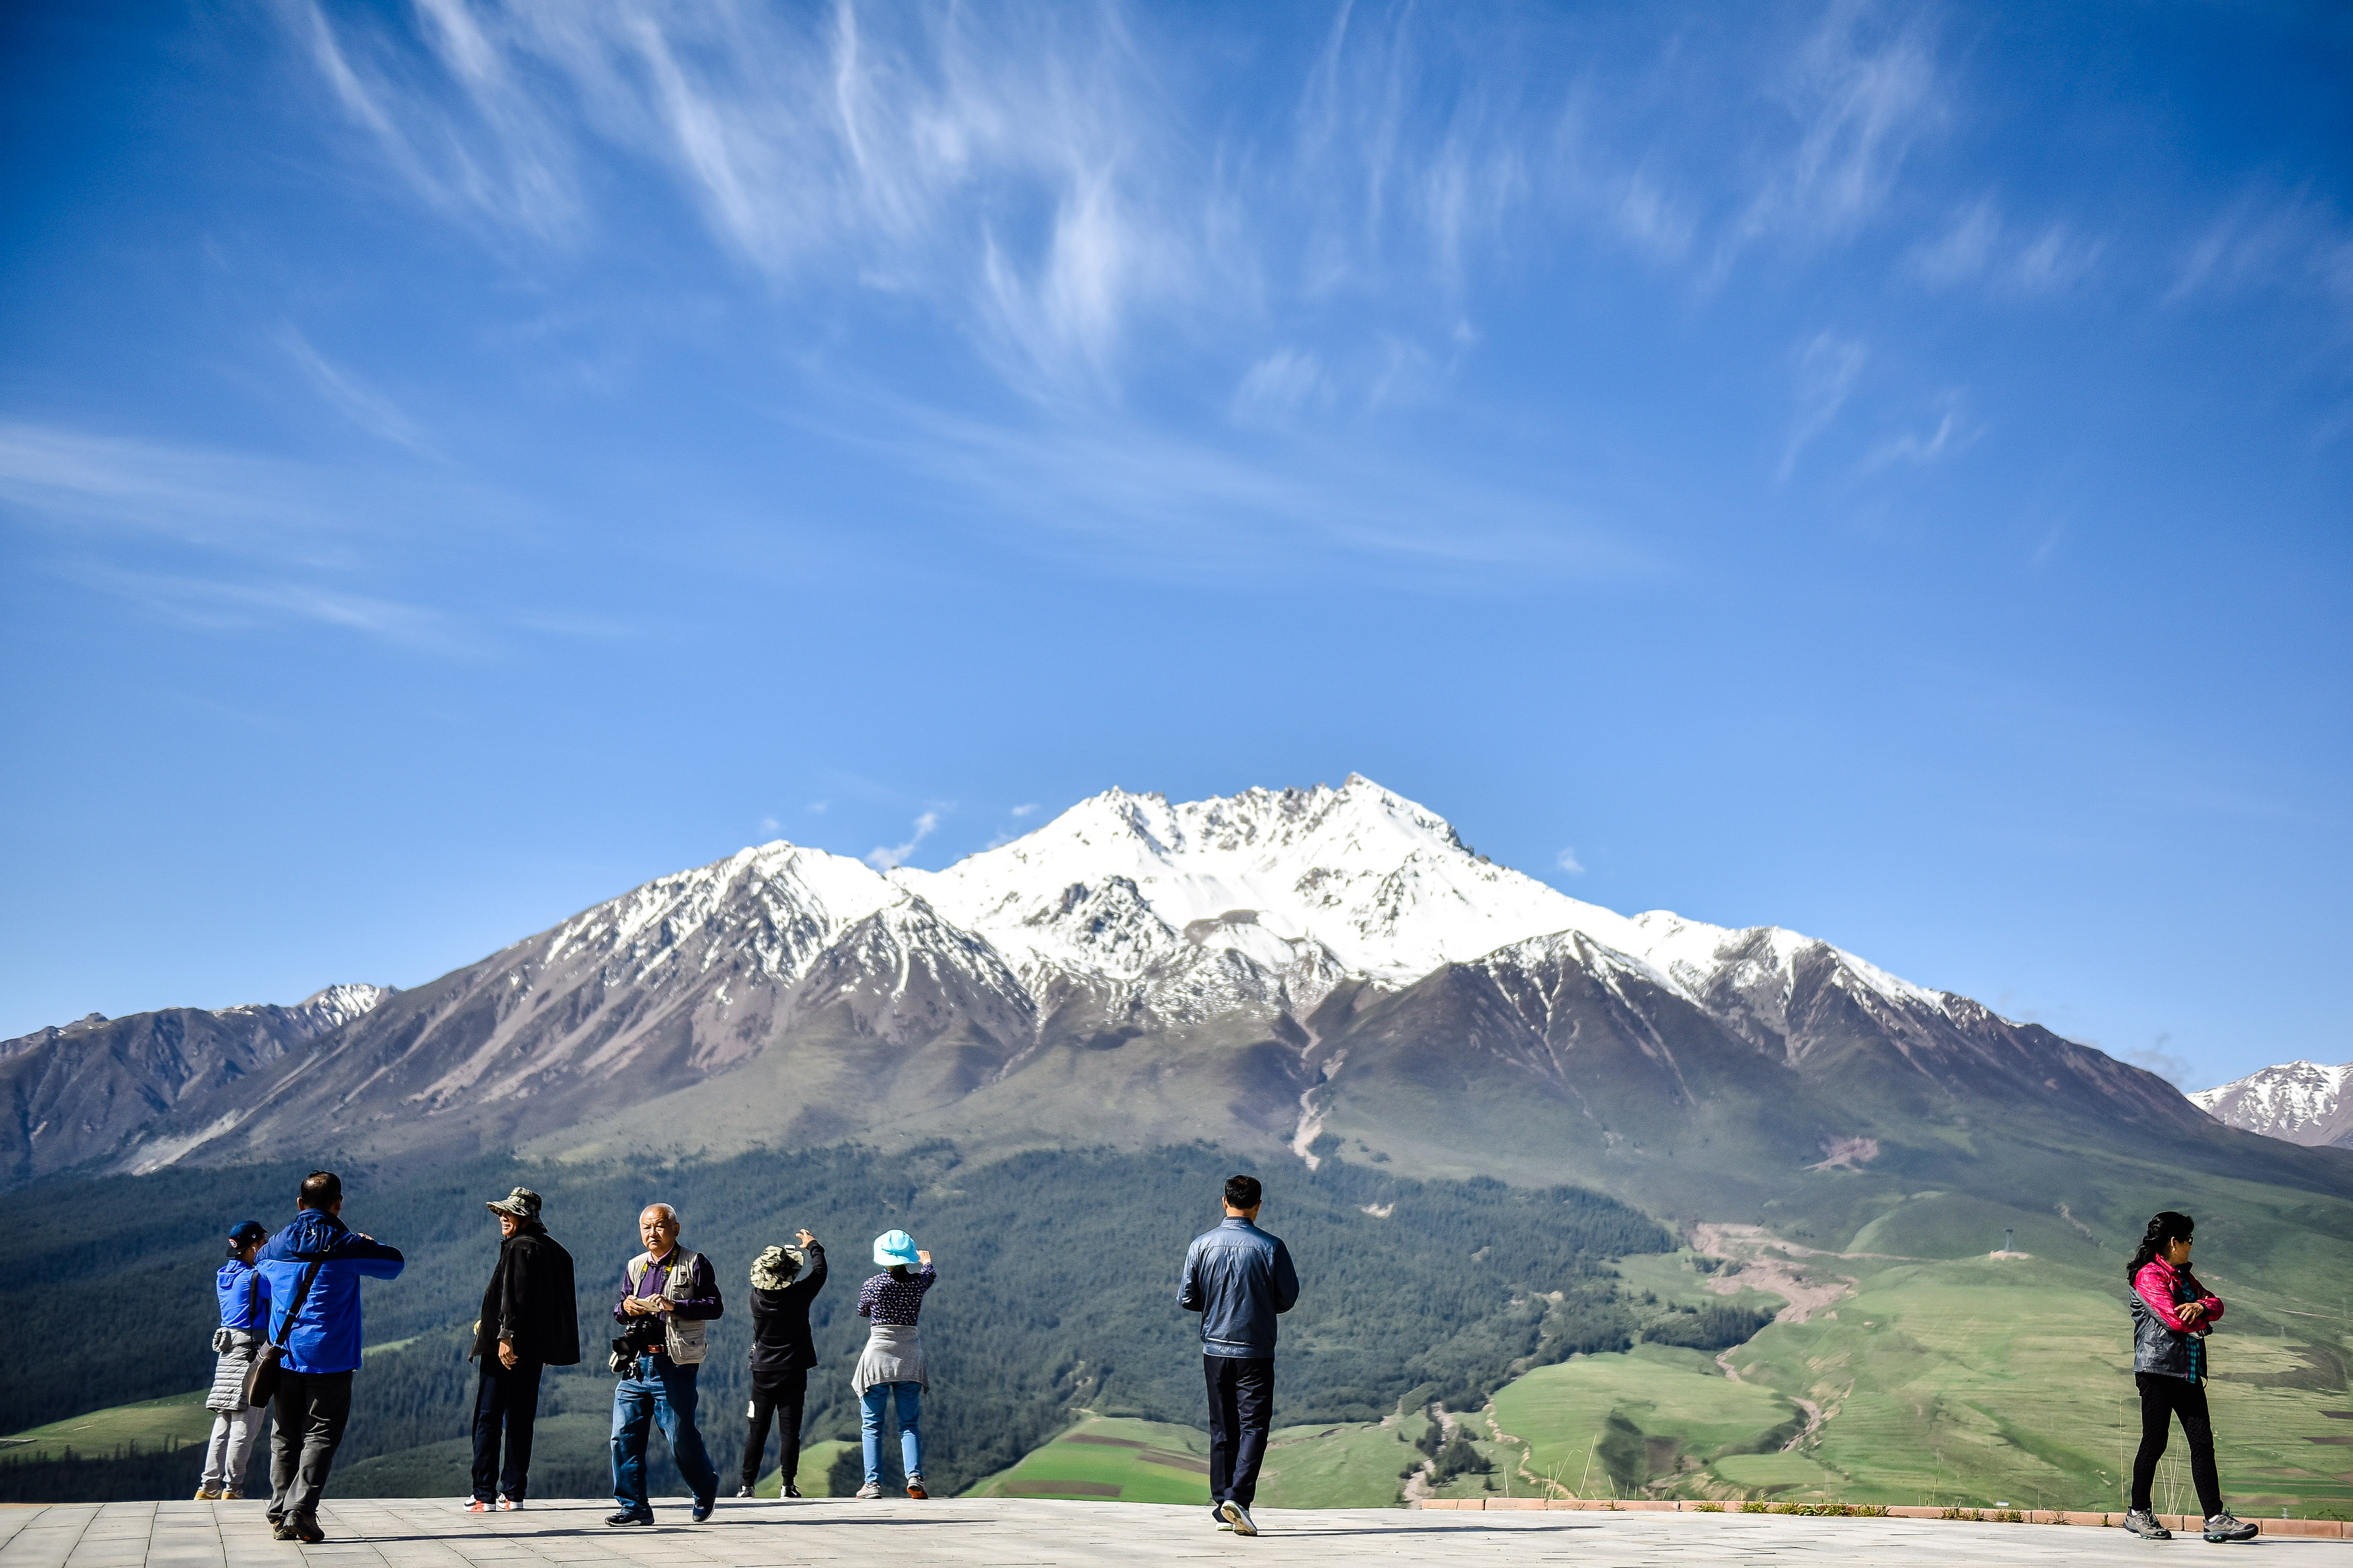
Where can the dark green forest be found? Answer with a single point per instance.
(1057, 1279)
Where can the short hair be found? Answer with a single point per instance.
(1242, 1191)
(665, 1208)
(319, 1189)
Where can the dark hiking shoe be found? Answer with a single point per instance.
(2143, 1523)
(744, 1490)
(790, 1491)
(283, 1530)
(306, 1529)
(629, 1516)
(1238, 1516)
(2225, 1526)
(702, 1507)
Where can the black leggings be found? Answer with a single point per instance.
(2161, 1399)
(776, 1398)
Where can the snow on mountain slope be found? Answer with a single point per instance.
(1122, 884)
(2299, 1101)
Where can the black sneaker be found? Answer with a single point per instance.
(306, 1531)
(629, 1516)
(2225, 1526)
(702, 1507)
(744, 1490)
(2143, 1523)
(790, 1490)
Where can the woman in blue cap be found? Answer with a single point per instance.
(244, 1324)
(891, 1369)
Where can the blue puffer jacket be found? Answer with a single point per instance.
(1238, 1278)
(243, 1299)
(326, 1332)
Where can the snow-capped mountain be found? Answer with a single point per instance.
(2302, 1102)
(1267, 969)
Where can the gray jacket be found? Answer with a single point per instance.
(1239, 1278)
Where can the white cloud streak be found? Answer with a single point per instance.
(1828, 368)
(882, 858)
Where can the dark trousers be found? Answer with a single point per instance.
(505, 1397)
(306, 1428)
(777, 1396)
(2161, 1399)
(1242, 1406)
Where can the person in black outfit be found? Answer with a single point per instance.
(1240, 1279)
(785, 1280)
(531, 1321)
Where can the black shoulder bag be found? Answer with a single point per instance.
(261, 1377)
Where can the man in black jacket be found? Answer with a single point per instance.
(531, 1321)
(1240, 1279)
(785, 1280)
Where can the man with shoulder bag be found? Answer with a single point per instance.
(668, 1295)
(530, 1322)
(313, 1267)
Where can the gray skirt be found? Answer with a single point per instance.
(893, 1355)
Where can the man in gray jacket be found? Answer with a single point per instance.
(1239, 1278)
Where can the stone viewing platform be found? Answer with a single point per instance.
(437, 1532)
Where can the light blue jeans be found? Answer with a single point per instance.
(910, 1398)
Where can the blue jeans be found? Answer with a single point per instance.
(660, 1391)
(910, 1438)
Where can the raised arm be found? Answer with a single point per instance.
(375, 1260)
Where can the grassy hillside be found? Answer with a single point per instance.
(1105, 1458)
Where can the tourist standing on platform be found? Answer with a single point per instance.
(530, 1322)
(312, 1270)
(785, 1280)
(2172, 1315)
(1240, 1279)
(244, 1329)
(890, 1369)
(668, 1295)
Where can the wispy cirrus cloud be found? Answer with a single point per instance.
(884, 858)
(1826, 370)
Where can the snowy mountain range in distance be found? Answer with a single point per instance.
(1272, 969)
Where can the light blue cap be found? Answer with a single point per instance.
(894, 1246)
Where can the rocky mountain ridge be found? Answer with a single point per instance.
(2299, 1101)
(1277, 969)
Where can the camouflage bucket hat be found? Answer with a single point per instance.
(777, 1267)
(522, 1203)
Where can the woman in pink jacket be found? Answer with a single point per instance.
(2172, 1315)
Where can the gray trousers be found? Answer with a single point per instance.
(225, 1452)
(306, 1418)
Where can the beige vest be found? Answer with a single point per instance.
(684, 1339)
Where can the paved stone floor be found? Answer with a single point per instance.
(420, 1532)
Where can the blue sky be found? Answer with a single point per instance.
(1880, 469)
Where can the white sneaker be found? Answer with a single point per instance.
(870, 1490)
(1238, 1516)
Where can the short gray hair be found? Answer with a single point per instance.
(664, 1207)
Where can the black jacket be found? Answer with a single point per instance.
(530, 1301)
(780, 1327)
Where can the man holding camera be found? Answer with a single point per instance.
(669, 1294)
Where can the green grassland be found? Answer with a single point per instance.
(1357, 1465)
(150, 1423)
(1970, 1380)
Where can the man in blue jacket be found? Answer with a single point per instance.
(312, 1268)
(1239, 1278)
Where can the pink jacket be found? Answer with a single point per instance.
(2162, 1286)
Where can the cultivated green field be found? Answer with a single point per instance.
(1107, 1457)
(151, 1422)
